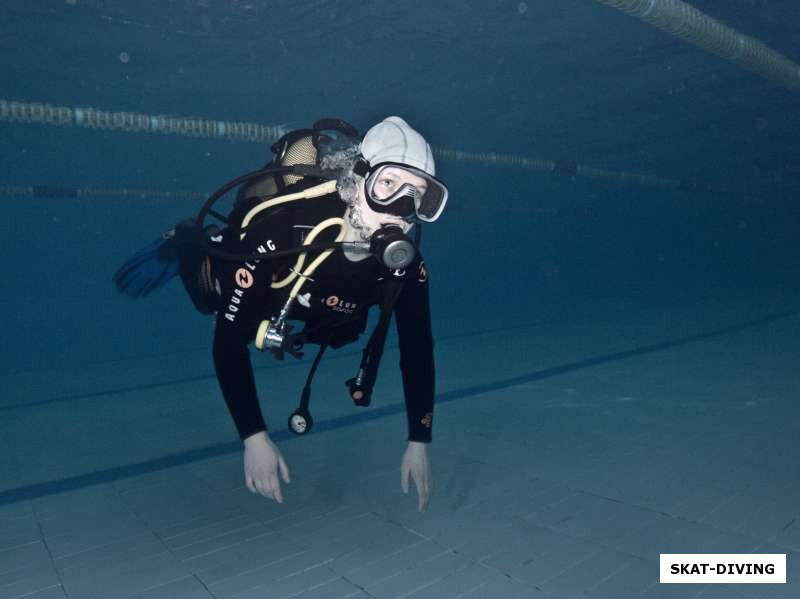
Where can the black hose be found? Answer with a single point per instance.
(311, 247)
(295, 169)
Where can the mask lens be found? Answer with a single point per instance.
(406, 192)
(431, 204)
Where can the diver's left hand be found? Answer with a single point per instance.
(416, 465)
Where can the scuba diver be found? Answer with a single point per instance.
(318, 236)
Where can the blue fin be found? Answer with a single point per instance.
(149, 268)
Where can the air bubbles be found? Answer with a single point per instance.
(124, 57)
(522, 8)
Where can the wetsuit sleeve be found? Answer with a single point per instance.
(413, 318)
(245, 294)
(236, 381)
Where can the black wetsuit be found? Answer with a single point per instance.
(341, 292)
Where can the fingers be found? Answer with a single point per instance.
(423, 490)
(424, 496)
(269, 487)
(284, 470)
(262, 463)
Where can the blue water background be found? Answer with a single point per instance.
(547, 79)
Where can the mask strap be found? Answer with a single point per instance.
(361, 167)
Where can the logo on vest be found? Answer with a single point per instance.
(338, 305)
(244, 278)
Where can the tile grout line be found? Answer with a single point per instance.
(49, 552)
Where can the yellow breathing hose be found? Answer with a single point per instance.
(331, 222)
(312, 192)
(263, 328)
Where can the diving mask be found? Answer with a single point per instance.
(405, 191)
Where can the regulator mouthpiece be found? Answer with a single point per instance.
(392, 247)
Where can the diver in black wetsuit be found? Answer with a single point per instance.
(386, 188)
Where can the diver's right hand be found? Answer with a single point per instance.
(262, 460)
